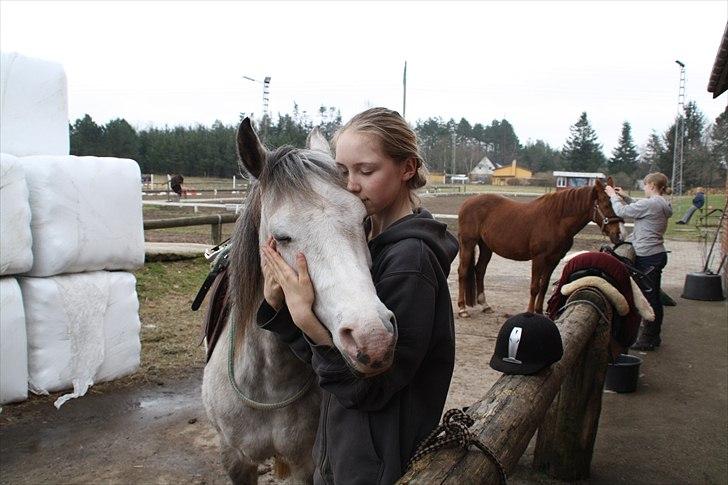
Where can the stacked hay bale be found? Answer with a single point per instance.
(73, 230)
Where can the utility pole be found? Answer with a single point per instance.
(453, 152)
(677, 155)
(404, 91)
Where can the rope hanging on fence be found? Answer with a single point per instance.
(590, 303)
(455, 425)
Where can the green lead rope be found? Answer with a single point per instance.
(255, 404)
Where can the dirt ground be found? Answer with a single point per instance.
(672, 430)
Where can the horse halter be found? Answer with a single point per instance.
(603, 220)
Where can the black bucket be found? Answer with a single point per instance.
(703, 286)
(622, 375)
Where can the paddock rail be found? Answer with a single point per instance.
(215, 221)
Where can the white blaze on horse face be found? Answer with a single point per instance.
(329, 232)
(623, 231)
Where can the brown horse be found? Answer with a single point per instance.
(542, 231)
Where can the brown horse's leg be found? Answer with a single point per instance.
(483, 259)
(546, 272)
(466, 275)
(536, 272)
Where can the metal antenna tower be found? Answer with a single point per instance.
(677, 155)
(266, 92)
(266, 95)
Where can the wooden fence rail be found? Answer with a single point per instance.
(516, 406)
(215, 221)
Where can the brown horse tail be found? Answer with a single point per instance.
(470, 287)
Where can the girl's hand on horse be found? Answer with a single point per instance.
(611, 192)
(299, 293)
(272, 291)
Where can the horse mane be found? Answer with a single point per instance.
(568, 202)
(285, 174)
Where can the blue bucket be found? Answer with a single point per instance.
(622, 375)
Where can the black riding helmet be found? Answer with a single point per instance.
(526, 343)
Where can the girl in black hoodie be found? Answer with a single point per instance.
(370, 427)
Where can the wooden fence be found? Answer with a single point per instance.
(563, 403)
(215, 222)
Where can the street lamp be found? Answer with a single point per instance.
(266, 91)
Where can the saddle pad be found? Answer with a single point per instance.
(217, 311)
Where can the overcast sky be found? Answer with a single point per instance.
(538, 64)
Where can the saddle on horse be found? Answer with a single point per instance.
(218, 309)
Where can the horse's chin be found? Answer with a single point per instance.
(365, 371)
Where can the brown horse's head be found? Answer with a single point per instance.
(603, 215)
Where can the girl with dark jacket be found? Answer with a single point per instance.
(369, 428)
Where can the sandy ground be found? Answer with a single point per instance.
(672, 430)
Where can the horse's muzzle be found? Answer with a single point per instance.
(369, 348)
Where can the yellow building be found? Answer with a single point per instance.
(435, 178)
(501, 175)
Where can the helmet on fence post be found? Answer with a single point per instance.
(526, 343)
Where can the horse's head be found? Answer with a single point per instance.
(603, 215)
(305, 207)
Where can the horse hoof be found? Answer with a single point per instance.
(487, 310)
(463, 314)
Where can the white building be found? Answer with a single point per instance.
(573, 180)
(483, 169)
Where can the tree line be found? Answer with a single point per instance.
(448, 146)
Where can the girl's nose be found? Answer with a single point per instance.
(352, 185)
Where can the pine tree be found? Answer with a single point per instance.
(121, 140)
(582, 152)
(624, 156)
(86, 138)
(653, 151)
(719, 139)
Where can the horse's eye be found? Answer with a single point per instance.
(282, 239)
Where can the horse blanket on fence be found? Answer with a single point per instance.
(624, 328)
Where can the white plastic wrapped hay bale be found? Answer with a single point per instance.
(13, 344)
(122, 347)
(33, 106)
(86, 214)
(82, 329)
(15, 239)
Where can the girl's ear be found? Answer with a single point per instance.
(409, 169)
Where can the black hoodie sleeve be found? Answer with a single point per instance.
(415, 318)
(282, 325)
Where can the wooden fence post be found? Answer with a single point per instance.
(565, 441)
(512, 410)
(217, 231)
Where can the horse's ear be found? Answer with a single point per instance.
(251, 151)
(598, 183)
(317, 141)
(610, 181)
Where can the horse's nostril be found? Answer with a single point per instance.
(346, 335)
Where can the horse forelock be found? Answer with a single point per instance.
(288, 171)
(246, 277)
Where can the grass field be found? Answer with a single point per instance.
(171, 331)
